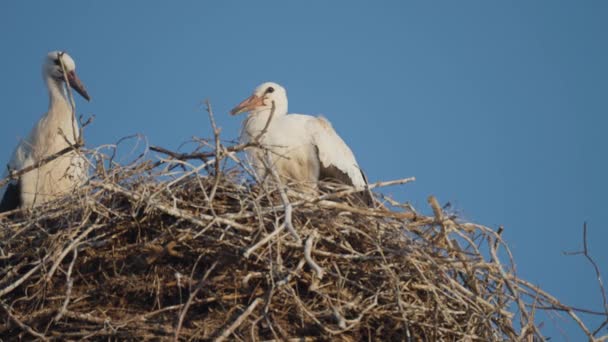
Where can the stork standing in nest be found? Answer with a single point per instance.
(305, 149)
(54, 132)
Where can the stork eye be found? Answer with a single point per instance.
(57, 62)
(270, 90)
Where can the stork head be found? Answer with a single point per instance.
(263, 98)
(52, 68)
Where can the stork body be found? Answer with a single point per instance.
(55, 131)
(305, 149)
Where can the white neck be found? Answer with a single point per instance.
(256, 121)
(56, 91)
(59, 114)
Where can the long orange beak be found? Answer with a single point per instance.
(249, 104)
(77, 85)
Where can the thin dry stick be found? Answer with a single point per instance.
(599, 328)
(352, 190)
(265, 129)
(172, 211)
(193, 294)
(287, 205)
(20, 281)
(308, 255)
(513, 289)
(598, 274)
(70, 284)
(21, 324)
(436, 208)
(263, 241)
(65, 252)
(369, 212)
(321, 201)
(14, 174)
(424, 289)
(353, 322)
(202, 155)
(226, 333)
(218, 152)
(236, 148)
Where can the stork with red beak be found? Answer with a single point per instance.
(306, 149)
(55, 131)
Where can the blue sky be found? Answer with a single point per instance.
(500, 108)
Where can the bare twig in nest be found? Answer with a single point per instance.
(263, 241)
(237, 322)
(218, 151)
(257, 138)
(201, 155)
(193, 294)
(21, 280)
(281, 187)
(308, 255)
(173, 211)
(70, 284)
(71, 247)
(352, 190)
(585, 252)
(21, 324)
(14, 174)
(141, 234)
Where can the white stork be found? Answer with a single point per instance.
(60, 175)
(305, 149)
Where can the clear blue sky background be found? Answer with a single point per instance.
(498, 107)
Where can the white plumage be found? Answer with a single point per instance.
(305, 148)
(64, 173)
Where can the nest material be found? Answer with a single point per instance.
(147, 251)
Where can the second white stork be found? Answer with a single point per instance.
(55, 131)
(305, 148)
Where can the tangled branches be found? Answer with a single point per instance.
(182, 249)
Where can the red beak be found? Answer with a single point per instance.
(77, 85)
(249, 104)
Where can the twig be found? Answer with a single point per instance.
(585, 252)
(226, 333)
(436, 208)
(257, 138)
(218, 152)
(191, 297)
(382, 271)
(14, 174)
(70, 284)
(16, 284)
(21, 324)
(307, 254)
(65, 252)
(172, 211)
(263, 241)
(287, 205)
(201, 155)
(368, 212)
(352, 190)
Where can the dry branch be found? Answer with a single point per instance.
(202, 252)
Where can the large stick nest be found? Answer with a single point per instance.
(198, 251)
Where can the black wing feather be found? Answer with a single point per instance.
(12, 197)
(333, 174)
